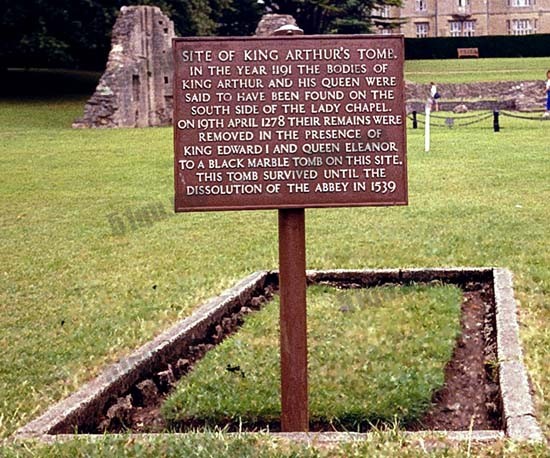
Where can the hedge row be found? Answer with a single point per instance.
(489, 46)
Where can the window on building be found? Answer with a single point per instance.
(520, 3)
(522, 26)
(462, 28)
(469, 28)
(420, 5)
(384, 11)
(463, 3)
(455, 28)
(422, 29)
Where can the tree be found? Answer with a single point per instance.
(236, 17)
(191, 17)
(328, 16)
(45, 33)
(76, 33)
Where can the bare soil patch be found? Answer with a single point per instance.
(470, 397)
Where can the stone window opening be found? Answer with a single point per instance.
(135, 88)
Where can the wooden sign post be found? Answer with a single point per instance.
(289, 123)
(293, 322)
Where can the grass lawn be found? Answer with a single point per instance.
(379, 360)
(477, 70)
(79, 260)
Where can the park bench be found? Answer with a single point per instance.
(467, 52)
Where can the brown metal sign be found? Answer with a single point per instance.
(289, 122)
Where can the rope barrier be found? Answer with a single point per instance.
(476, 115)
(451, 121)
(529, 118)
(487, 116)
(483, 117)
(433, 124)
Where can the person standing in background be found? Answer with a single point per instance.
(547, 112)
(434, 95)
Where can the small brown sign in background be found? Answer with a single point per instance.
(289, 122)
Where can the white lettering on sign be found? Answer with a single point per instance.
(289, 122)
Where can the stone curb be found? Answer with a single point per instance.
(119, 377)
(518, 410)
(311, 438)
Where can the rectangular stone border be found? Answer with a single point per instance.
(518, 409)
(91, 399)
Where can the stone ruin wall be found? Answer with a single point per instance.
(136, 88)
(513, 95)
(270, 23)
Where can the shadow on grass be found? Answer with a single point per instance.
(36, 83)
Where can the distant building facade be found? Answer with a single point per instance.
(464, 18)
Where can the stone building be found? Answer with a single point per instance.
(136, 87)
(463, 18)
